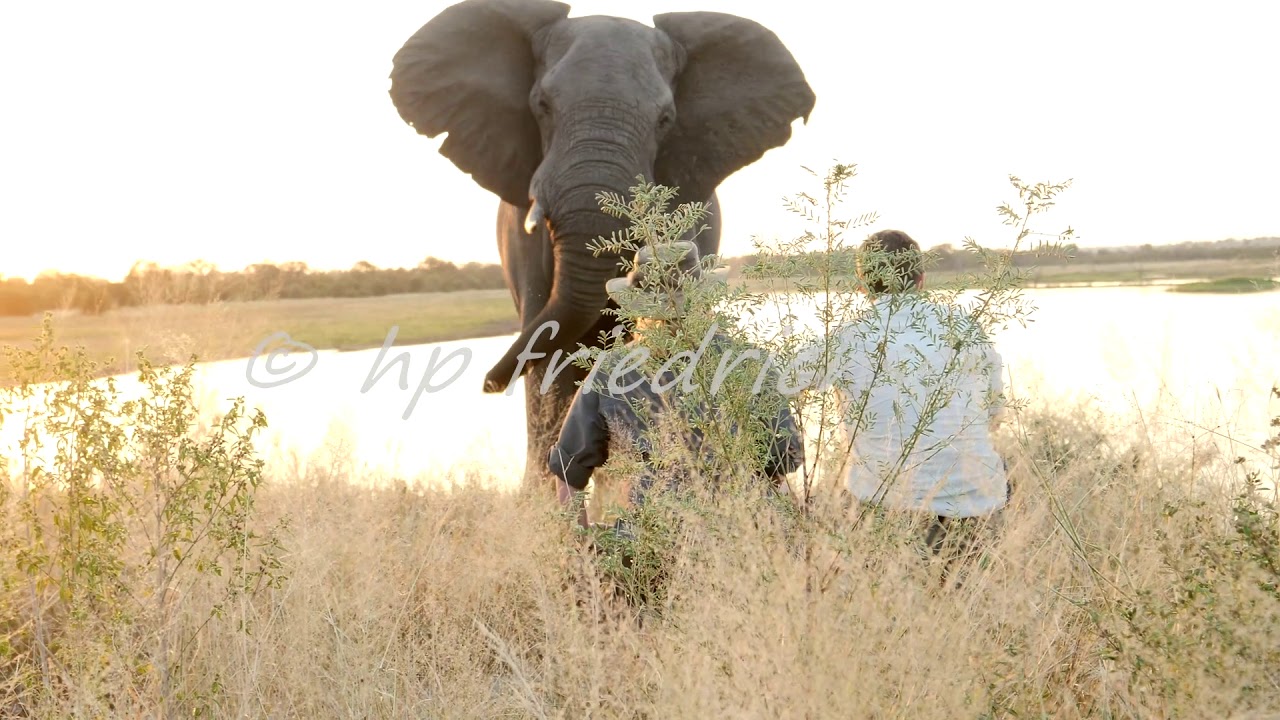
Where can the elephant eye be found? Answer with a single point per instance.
(666, 120)
(544, 107)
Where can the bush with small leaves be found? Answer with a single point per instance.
(130, 531)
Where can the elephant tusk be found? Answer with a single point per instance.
(534, 218)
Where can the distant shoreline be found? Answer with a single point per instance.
(232, 330)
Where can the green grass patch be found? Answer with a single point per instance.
(1229, 285)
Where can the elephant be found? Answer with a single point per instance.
(546, 111)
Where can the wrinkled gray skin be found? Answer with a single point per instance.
(549, 111)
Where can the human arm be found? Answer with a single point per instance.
(582, 447)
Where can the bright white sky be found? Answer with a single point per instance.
(242, 132)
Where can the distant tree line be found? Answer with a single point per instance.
(201, 282)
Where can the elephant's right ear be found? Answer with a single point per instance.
(468, 72)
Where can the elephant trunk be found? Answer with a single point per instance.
(578, 294)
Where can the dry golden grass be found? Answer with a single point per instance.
(1119, 588)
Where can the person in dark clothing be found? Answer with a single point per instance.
(647, 416)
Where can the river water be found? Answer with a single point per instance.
(1199, 363)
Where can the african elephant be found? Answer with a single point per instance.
(545, 112)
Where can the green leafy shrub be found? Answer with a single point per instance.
(128, 529)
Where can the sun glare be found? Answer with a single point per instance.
(218, 167)
(21, 268)
(30, 264)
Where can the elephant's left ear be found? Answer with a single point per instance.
(736, 97)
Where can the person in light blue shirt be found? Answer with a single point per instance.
(922, 389)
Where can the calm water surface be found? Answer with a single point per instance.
(1166, 359)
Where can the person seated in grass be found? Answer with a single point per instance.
(649, 415)
(922, 390)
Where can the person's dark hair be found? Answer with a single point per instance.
(904, 260)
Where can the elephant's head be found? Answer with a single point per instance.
(547, 111)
